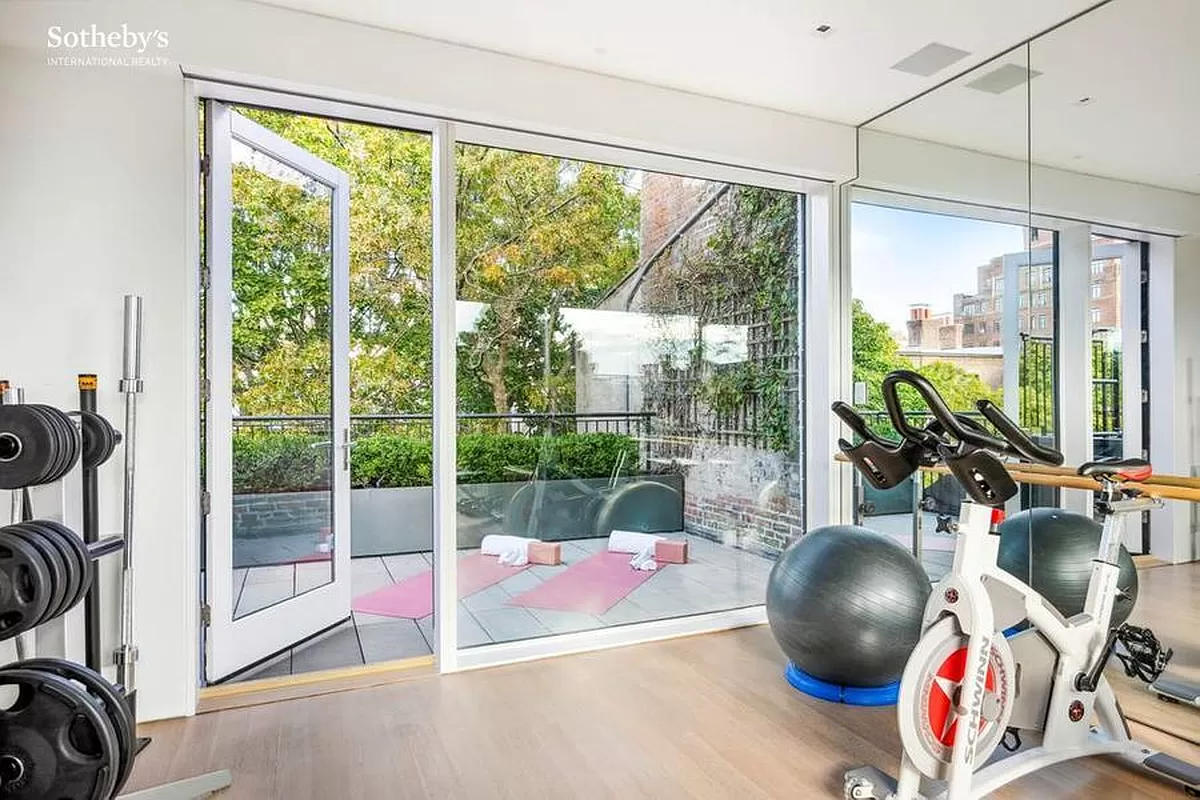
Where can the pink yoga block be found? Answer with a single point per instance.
(546, 553)
(670, 551)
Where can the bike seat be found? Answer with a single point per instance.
(1130, 469)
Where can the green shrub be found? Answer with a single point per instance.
(391, 460)
(280, 462)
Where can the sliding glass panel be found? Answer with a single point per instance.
(629, 393)
(971, 305)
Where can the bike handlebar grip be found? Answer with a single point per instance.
(858, 425)
(1018, 439)
(950, 422)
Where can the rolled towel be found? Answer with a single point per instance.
(512, 550)
(631, 542)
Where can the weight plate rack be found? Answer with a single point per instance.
(66, 731)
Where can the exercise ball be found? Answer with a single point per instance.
(1064, 545)
(641, 506)
(845, 605)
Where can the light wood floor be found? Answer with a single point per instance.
(1169, 604)
(702, 717)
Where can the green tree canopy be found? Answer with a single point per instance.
(534, 233)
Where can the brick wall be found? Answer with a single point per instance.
(257, 516)
(667, 202)
(743, 497)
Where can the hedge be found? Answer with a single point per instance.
(286, 462)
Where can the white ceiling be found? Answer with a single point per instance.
(1138, 63)
(761, 52)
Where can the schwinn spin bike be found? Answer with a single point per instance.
(967, 687)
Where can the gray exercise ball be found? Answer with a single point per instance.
(845, 604)
(641, 506)
(1064, 545)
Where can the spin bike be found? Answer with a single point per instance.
(967, 687)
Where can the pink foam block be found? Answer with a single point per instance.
(545, 553)
(671, 551)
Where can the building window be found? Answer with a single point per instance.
(969, 328)
(1024, 300)
(1095, 315)
(996, 326)
(997, 286)
(1041, 322)
(1040, 300)
(1097, 268)
(1096, 291)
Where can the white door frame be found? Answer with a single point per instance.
(233, 644)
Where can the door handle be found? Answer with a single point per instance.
(347, 444)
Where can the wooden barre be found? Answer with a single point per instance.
(1064, 477)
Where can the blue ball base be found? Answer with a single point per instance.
(834, 693)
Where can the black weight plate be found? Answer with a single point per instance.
(70, 558)
(83, 560)
(50, 415)
(110, 698)
(54, 563)
(54, 452)
(24, 589)
(57, 738)
(99, 439)
(72, 440)
(26, 445)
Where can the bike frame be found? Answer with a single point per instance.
(968, 593)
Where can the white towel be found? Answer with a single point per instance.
(512, 550)
(631, 542)
(644, 561)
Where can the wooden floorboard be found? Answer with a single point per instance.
(701, 717)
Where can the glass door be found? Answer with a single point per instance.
(278, 547)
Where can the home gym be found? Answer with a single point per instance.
(539, 399)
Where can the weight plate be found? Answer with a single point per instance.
(70, 559)
(82, 560)
(24, 579)
(26, 447)
(111, 700)
(55, 740)
(54, 563)
(55, 420)
(54, 454)
(72, 440)
(99, 439)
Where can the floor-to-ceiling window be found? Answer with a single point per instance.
(971, 305)
(629, 370)
(629, 383)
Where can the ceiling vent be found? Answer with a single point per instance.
(1000, 80)
(930, 59)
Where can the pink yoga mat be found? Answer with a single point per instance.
(592, 586)
(412, 598)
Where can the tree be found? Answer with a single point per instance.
(875, 353)
(534, 234)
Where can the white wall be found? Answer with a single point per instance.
(1183, 440)
(894, 163)
(93, 204)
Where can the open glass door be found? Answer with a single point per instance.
(278, 547)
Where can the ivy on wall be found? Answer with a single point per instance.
(744, 273)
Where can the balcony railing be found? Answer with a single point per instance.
(421, 425)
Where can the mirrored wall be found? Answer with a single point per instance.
(1020, 233)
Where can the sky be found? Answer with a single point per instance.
(903, 257)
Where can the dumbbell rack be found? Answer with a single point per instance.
(73, 501)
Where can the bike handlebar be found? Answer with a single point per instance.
(1015, 442)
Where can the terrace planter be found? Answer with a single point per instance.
(400, 520)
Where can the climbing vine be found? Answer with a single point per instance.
(745, 274)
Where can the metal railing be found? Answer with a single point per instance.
(421, 425)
